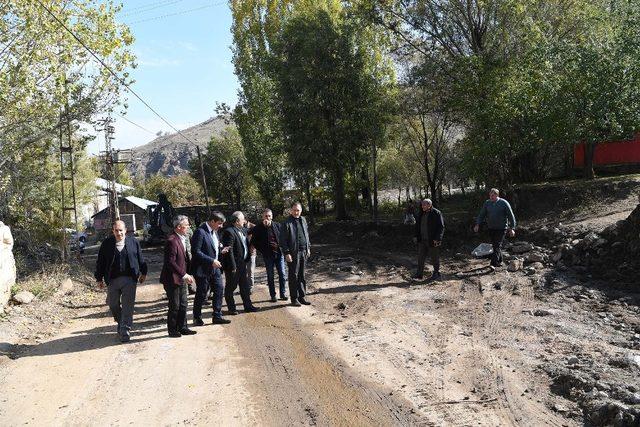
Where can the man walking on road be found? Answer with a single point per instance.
(500, 220)
(206, 267)
(296, 247)
(121, 266)
(234, 237)
(265, 238)
(175, 277)
(429, 232)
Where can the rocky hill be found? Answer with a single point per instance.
(170, 154)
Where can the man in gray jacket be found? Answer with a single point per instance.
(500, 220)
(295, 245)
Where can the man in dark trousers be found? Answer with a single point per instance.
(175, 277)
(265, 237)
(235, 263)
(296, 247)
(121, 266)
(500, 220)
(429, 232)
(206, 268)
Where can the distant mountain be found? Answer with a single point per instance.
(170, 154)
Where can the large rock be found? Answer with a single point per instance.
(515, 265)
(66, 287)
(23, 297)
(521, 247)
(7, 264)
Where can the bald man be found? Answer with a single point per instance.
(121, 267)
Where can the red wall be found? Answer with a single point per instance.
(610, 153)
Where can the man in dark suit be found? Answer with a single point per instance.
(235, 239)
(265, 237)
(121, 266)
(296, 247)
(175, 277)
(206, 267)
(429, 232)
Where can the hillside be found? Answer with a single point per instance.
(170, 154)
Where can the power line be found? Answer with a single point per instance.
(182, 12)
(135, 124)
(113, 73)
(144, 6)
(148, 9)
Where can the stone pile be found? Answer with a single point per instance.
(7, 265)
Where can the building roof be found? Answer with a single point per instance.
(137, 201)
(103, 184)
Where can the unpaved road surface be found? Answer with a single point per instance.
(554, 348)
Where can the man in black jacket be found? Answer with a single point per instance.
(235, 263)
(121, 266)
(265, 237)
(429, 232)
(296, 247)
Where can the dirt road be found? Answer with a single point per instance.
(264, 368)
(374, 349)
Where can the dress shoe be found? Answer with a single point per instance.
(125, 337)
(295, 303)
(221, 321)
(187, 331)
(232, 312)
(435, 277)
(273, 299)
(303, 301)
(284, 298)
(417, 277)
(252, 309)
(175, 334)
(198, 322)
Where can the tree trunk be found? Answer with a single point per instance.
(341, 209)
(307, 190)
(375, 182)
(589, 151)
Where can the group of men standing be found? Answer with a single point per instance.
(121, 266)
(429, 230)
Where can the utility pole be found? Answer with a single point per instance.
(67, 173)
(112, 158)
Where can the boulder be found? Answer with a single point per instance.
(537, 266)
(7, 264)
(23, 297)
(521, 247)
(515, 265)
(66, 287)
(534, 257)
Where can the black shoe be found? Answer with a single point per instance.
(284, 298)
(417, 277)
(125, 337)
(232, 312)
(273, 299)
(175, 334)
(251, 309)
(198, 322)
(435, 277)
(187, 331)
(303, 301)
(221, 321)
(295, 303)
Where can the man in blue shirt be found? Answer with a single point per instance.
(500, 220)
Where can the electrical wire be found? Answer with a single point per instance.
(164, 4)
(182, 12)
(113, 73)
(152, 4)
(135, 124)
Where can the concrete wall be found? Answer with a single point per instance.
(7, 264)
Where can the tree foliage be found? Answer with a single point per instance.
(181, 190)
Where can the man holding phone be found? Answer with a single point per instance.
(428, 236)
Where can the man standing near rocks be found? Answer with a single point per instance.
(295, 245)
(500, 221)
(121, 266)
(205, 248)
(175, 277)
(429, 232)
(265, 238)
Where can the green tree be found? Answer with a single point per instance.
(225, 167)
(326, 94)
(181, 190)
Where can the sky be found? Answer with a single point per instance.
(183, 50)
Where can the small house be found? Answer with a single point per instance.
(134, 207)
